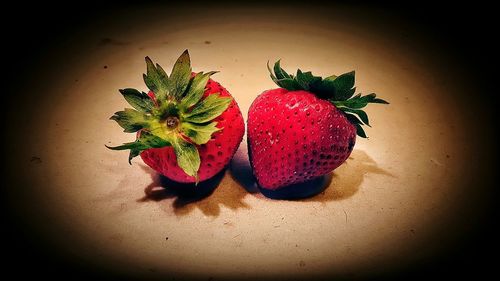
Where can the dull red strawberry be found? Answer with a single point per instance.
(188, 126)
(306, 128)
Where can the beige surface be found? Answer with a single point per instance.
(385, 207)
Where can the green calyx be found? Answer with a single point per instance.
(339, 90)
(175, 116)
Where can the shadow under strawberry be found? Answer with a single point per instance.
(299, 190)
(208, 196)
(163, 188)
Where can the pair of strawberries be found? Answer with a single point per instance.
(189, 127)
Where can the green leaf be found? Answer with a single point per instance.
(324, 89)
(137, 100)
(161, 73)
(271, 73)
(357, 123)
(129, 145)
(306, 79)
(199, 134)
(196, 89)
(368, 98)
(156, 80)
(344, 82)
(145, 141)
(131, 120)
(360, 132)
(377, 100)
(279, 72)
(301, 80)
(330, 78)
(188, 157)
(135, 149)
(359, 101)
(353, 119)
(132, 154)
(149, 82)
(355, 102)
(362, 115)
(353, 105)
(209, 108)
(345, 94)
(289, 84)
(181, 73)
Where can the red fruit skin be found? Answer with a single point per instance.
(293, 137)
(214, 155)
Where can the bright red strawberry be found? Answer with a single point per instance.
(188, 126)
(306, 128)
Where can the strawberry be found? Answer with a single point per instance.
(304, 129)
(187, 126)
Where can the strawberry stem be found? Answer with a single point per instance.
(172, 122)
